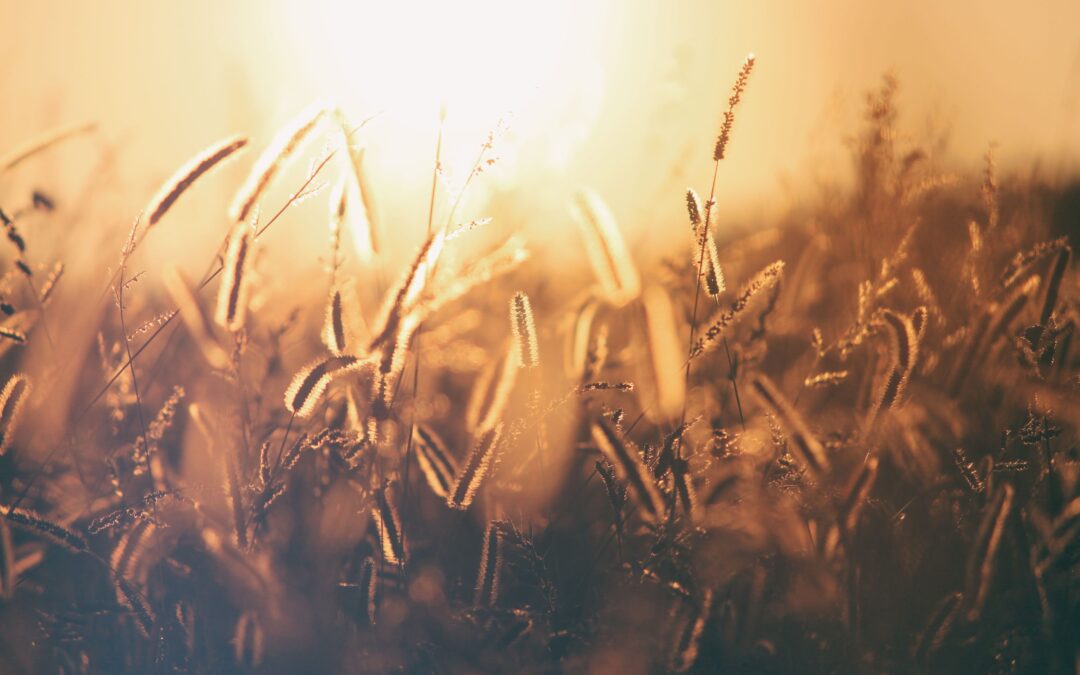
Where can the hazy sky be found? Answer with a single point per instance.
(622, 95)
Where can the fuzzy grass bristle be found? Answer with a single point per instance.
(334, 331)
(475, 469)
(13, 399)
(177, 184)
(491, 562)
(280, 149)
(763, 280)
(715, 284)
(737, 90)
(524, 328)
(388, 527)
(232, 295)
(311, 381)
(30, 521)
(693, 209)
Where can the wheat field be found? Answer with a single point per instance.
(843, 442)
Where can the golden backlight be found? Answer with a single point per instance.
(537, 336)
(522, 65)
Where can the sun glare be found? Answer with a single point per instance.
(483, 61)
(536, 336)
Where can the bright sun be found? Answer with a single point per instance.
(484, 60)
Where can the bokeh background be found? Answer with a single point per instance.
(622, 96)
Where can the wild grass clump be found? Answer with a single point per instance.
(842, 443)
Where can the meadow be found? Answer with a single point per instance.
(844, 442)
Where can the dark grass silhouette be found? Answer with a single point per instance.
(860, 456)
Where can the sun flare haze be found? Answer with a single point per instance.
(578, 336)
(479, 60)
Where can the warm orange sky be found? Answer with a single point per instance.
(646, 87)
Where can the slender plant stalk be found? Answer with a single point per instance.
(131, 365)
(210, 275)
(420, 329)
(718, 154)
(207, 278)
(734, 384)
(697, 281)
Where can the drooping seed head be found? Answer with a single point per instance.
(13, 399)
(232, 294)
(186, 175)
